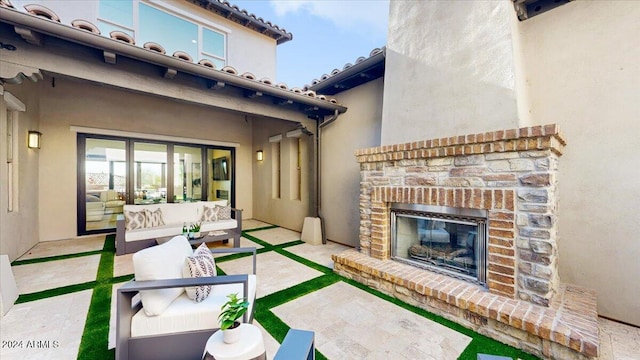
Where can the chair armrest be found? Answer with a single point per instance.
(238, 217)
(135, 286)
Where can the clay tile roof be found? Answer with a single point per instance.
(230, 70)
(207, 63)
(248, 75)
(351, 75)
(244, 18)
(85, 25)
(39, 10)
(7, 4)
(124, 37)
(154, 47)
(119, 36)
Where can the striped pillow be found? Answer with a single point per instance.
(200, 264)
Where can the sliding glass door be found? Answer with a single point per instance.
(116, 171)
(105, 183)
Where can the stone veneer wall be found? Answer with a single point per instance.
(509, 173)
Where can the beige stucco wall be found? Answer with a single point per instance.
(358, 128)
(247, 50)
(284, 211)
(449, 70)
(580, 66)
(19, 229)
(75, 103)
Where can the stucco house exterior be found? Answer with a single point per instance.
(451, 70)
(98, 84)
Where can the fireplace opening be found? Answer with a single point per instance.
(447, 240)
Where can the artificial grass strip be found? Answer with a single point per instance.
(95, 337)
(258, 241)
(55, 258)
(55, 292)
(296, 291)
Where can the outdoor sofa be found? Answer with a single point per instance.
(163, 322)
(138, 227)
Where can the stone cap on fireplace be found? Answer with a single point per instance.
(540, 137)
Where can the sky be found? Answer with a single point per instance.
(327, 34)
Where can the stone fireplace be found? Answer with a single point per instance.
(466, 227)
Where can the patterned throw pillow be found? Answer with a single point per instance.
(224, 212)
(153, 218)
(209, 214)
(200, 264)
(134, 220)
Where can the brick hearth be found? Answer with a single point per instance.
(512, 175)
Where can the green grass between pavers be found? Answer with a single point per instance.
(95, 337)
(54, 258)
(261, 228)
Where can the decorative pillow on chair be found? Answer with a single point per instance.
(209, 214)
(135, 220)
(224, 212)
(153, 218)
(160, 263)
(200, 264)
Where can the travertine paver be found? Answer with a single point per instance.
(50, 328)
(64, 247)
(253, 224)
(275, 272)
(350, 323)
(320, 254)
(276, 236)
(54, 274)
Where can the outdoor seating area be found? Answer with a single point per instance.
(70, 289)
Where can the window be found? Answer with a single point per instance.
(173, 32)
(275, 170)
(296, 168)
(150, 173)
(115, 15)
(12, 161)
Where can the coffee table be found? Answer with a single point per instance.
(218, 235)
(250, 346)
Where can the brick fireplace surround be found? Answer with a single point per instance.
(513, 175)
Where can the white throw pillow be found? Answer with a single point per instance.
(159, 263)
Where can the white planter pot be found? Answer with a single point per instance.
(230, 336)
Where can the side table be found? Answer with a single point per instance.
(249, 347)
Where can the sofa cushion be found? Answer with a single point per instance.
(183, 314)
(153, 218)
(135, 220)
(172, 229)
(200, 264)
(159, 263)
(224, 212)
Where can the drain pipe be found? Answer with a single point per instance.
(319, 127)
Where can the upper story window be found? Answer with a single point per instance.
(173, 32)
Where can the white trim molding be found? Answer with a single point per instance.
(98, 131)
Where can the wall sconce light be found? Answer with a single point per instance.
(33, 141)
(259, 155)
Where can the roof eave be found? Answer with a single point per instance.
(350, 72)
(82, 37)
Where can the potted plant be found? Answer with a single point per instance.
(232, 310)
(194, 230)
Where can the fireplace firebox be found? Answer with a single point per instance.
(442, 239)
